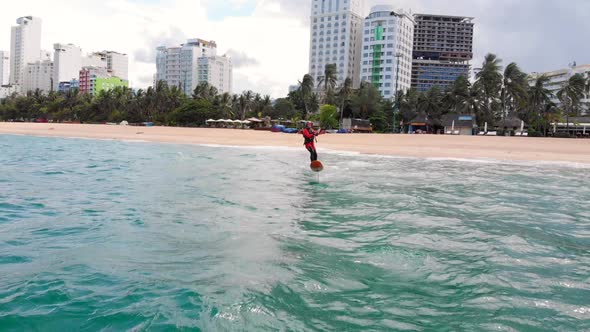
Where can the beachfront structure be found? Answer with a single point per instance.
(217, 71)
(67, 63)
(558, 78)
(387, 50)
(25, 47)
(443, 49)
(572, 127)
(38, 76)
(336, 38)
(4, 67)
(178, 66)
(459, 124)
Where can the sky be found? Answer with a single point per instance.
(269, 39)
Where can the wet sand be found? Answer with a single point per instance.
(427, 146)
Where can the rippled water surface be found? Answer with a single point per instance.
(106, 235)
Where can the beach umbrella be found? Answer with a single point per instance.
(485, 130)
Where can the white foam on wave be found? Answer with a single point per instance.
(356, 154)
(249, 147)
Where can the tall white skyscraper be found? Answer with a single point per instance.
(67, 63)
(4, 68)
(387, 50)
(25, 46)
(217, 71)
(336, 38)
(178, 66)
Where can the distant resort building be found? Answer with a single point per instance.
(557, 80)
(191, 63)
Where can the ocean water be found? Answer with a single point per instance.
(112, 236)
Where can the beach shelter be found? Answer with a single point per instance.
(459, 124)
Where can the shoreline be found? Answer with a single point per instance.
(432, 147)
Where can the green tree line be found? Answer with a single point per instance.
(497, 93)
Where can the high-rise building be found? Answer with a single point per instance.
(336, 38)
(387, 50)
(4, 68)
(558, 79)
(38, 76)
(67, 63)
(217, 71)
(25, 46)
(178, 66)
(117, 64)
(95, 59)
(443, 48)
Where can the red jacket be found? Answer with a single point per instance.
(309, 135)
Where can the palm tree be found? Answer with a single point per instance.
(205, 91)
(328, 81)
(225, 104)
(430, 103)
(408, 105)
(539, 103)
(306, 90)
(245, 103)
(571, 94)
(367, 101)
(514, 89)
(489, 81)
(458, 92)
(344, 95)
(474, 103)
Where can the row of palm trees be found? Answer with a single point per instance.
(153, 104)
(497, 93)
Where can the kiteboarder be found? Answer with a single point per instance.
(309, 136)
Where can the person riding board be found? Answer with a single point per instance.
(309, 136)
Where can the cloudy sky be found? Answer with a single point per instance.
(269, 39)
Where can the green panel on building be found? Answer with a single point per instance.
(377, 50)
(105, 84)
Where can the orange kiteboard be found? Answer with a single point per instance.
(316, 166)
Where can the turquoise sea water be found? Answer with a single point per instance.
(108, 235)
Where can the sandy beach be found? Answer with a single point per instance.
(428, 146)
